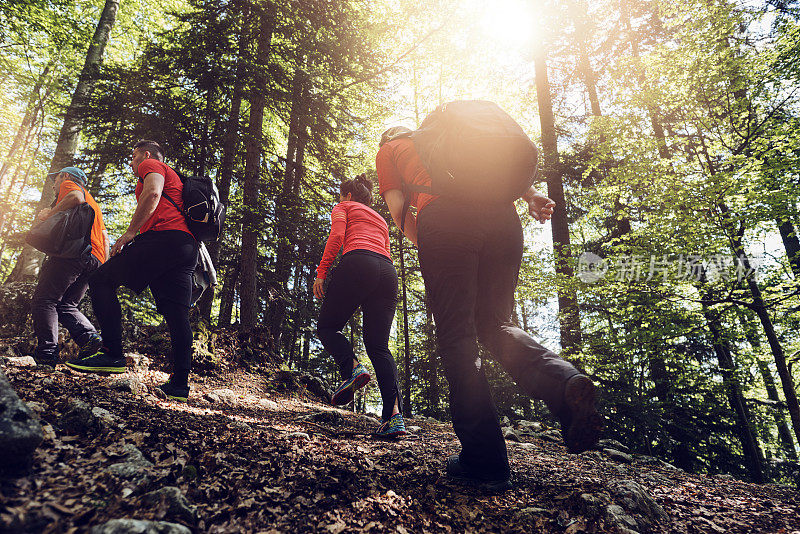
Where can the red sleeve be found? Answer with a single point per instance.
(151, 165)
(335, 240)
(388, 175)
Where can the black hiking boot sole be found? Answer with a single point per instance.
(456, 472)
(585, 423)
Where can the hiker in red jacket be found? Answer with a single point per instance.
(470, 255)
(156, 251)
(365, 277)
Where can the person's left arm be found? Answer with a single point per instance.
(153, 186)
(70, 200)
(540, 206)
(395, 200)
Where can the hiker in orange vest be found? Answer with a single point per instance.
(63, 281)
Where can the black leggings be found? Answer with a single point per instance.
(367, 279)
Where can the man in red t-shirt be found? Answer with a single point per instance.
(63, 281)
(158, 251)
(470, 255)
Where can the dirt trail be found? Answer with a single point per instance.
(250, 460)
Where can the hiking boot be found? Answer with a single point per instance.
(484, 482)
(100, 362)
(50, 359)
(91, 347)
(393, 428)
(176, 393)
(580, 424)
(344, 394)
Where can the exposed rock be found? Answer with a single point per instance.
(226, 396)
(105, 417)
(529, 426)
(612, 444)
(20, 430)
(635, 500)
(127, 384)
(616, 515)
(551, 435)
(299, 435)
(212, 397)
(22, 361)
(618, 455)
(37, 407)
(315, 386)
(327, 418)
(413, 428)
(78, 418)
(134, 467)
(269, 404)
(138, 526)
(172, 503)
(510, 435)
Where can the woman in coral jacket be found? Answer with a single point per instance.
(365, 277)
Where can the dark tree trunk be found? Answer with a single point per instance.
(744, 427)
(248, 293)
(286, 210)
(228, 295)
(791, 243)
(30, 259)
(230, 147)
(569, 316)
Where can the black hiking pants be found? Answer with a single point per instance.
(62, 285)
(470, 258)
(367, 279)
(165, 262)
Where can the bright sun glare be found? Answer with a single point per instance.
(509, 23)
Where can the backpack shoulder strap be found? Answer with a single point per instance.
(165, 195)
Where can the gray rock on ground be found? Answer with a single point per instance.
(78, 418)
(134, 467)
(225, 396)
(21, 361)
(20, 430)
(612, 444)
(173, 502)
(127, 385)
(510, 435)
(327, 417)
(636, 501)
(618, 456)
(138, 526)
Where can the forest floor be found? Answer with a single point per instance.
(245, 457)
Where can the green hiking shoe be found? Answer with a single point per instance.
(90, 348)
(176, 393)
(100, 362)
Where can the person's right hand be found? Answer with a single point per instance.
(123, 240)
(44, 214)
(319, 289)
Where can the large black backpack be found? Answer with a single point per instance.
(474, 151)
(201, 206)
